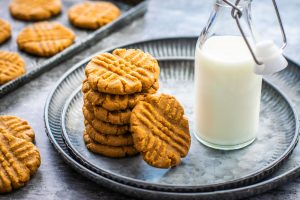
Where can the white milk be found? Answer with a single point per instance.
(228, 93)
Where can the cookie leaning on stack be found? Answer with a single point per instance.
(114, 84)
(160, 130)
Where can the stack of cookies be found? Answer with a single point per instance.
(114, 83)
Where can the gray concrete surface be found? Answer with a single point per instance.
(55, 179)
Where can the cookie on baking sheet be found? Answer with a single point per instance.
(125, 71)
(17, 127)
(5, 31)
(113, 102)
(111, 140)
(34, 10)
(45, 38)
(109, 151)
(11, 66)
(114, 117)
(160, 130)
(19, 159)
(104, 127)
(93, 15)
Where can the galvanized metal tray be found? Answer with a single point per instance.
(84, 38)
(178, 48)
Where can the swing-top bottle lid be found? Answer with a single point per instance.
(271, 56)
(268, 56)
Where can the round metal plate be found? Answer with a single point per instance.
(177, 47)
(204, 169)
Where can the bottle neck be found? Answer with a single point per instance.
(222, 23)
(241, 4)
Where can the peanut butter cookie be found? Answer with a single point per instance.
(113, 102)
(104, 127)
(93, 15)
(114, 117)
(122, 72)
(19, 159)
(34, 10)
(5, 31)
(45, 38)
(111, 140)
(17, 127)
(11, 66)
(160, 130)
(109, 151)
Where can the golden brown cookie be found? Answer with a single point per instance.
(17, 127)
(34, 10)
(93, 15)
(122, 72)
(114, 117)
(5, 31)
(160, 130)
(85, 86)
(109, 151)
(19, 159)
(111, 140)
(11, 66)
(113, 102)
(88, 105)
(104, 127)
(45, 38)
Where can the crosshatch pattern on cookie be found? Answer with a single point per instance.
(45, 38)
(122, 72)
(19, 160)
(17, 127)
(160, 130)
(11, 66)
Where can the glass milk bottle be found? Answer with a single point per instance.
(227, 100)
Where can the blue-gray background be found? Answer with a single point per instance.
(164, 18)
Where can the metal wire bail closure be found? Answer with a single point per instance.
(237, 13)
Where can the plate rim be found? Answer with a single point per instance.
(239, 192)
(251, 178)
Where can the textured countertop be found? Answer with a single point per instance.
(55, 179)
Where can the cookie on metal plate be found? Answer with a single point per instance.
(19, 159)
(111, 140)
(104, 127)
(124, 71)
(34, 10)
(5, 31)
(160, 130)
(113, 102)
(93, 15)
(120, 117)
(109, 151)
(11, 66)
(45, 38)
(17, 127)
